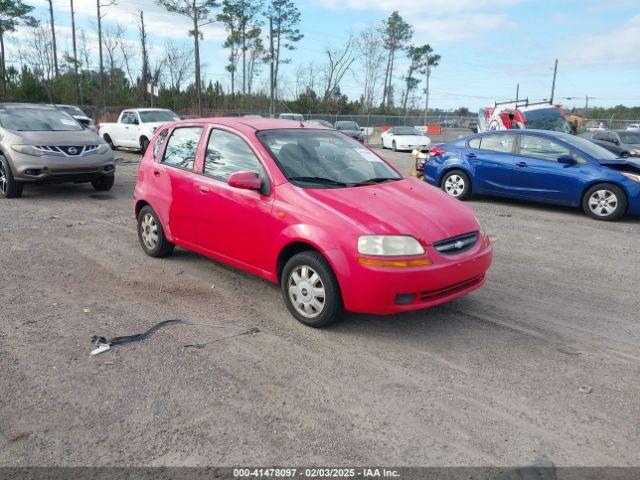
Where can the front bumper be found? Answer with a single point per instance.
(384, 290)
(60, 169)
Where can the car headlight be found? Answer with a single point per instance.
(632, 176)
(27, 150)
(635, 152)
(104, 148)
(389, 245)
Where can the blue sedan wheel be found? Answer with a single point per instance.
(457, 184)
(604, 202)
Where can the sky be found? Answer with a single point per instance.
(487, 46)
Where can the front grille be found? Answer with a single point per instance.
(68, 150)
(430, 295)
(456, 245)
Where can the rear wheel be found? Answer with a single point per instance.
(457, 184)
(107, 139)
(605, 201)
(151, 235)
(310, 289)
(9, 187)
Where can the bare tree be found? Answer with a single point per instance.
(39, 56)
(371, 58)
(339, 61)
(84, 50)
(53, 39)
(198, 12)
(179, 65)
(113, 38)
(75, 56)
(145, 59)
(255, 55)
(100, 16)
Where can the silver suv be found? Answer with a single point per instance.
(42, 144)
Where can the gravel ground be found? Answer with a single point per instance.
(543, 360)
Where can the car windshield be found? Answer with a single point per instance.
(347, 126)
(405, 131)
(152, 116)
(325, 159)
(30, 119)
(546, 119)
(588, 147)
(632, 138)
(71, 110)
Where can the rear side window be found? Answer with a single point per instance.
(474, 143)
(156, 146)
(228, 153)
(182, 147)
(497, 143)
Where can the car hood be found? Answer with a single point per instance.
(412, 139)
(80, 137)
(622, 164)
(406, 207)
(350, 132)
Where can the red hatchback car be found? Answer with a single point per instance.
(310, 209)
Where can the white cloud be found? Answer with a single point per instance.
(438, 7)
(462, 27)
(616, 47)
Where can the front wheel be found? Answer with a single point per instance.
(9, 187)
(103, 183)
(151, 235)
(394, 147)
(457, 184)
(310, 289)
(605, 202)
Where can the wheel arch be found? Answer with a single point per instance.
(598, 182)
(449, 168)
(291, 249)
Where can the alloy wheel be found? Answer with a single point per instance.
(149, 231)
(454, 185)
(306, 291)
(603, 203)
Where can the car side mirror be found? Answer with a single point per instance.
(245, 181)
(615, 141)
(567, 160)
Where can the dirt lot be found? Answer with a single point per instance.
(543, 360)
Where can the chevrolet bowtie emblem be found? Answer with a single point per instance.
(459, 244)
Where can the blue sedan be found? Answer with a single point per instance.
(538, 165)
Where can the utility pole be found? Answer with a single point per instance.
(553, 84)
(272, 109)
(100, 54)
(517, 92)
(53, 39)
(79, 98)
(426, 101)
(145, 61)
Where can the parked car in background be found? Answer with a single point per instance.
(135, 127)
(624, 143)
(403, 138)
(473, 126)
(291, 116)
(633, 126)
(318, 121)
(310, 209)
(545, 166)
(79, 115)
(350, 128)
(44, 144)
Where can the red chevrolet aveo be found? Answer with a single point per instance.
(311, 209)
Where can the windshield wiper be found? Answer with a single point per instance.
(371, 181)
(320, 180)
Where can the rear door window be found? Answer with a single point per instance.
(182, 147)
(497, 143)
(542, 148)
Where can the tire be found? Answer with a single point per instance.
(457, 184)
(104, 183)
(107, 139)
(604, 201)
(394, 147)
(305, 266)
(624, 155)
(144, 144)
(148, 223)
(9, 187)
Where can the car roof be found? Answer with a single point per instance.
(254, 123)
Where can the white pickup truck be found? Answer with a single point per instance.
(135, 127)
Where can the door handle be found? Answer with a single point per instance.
(471, 155)
(203, 188)
(522, 164)
(156, 173)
